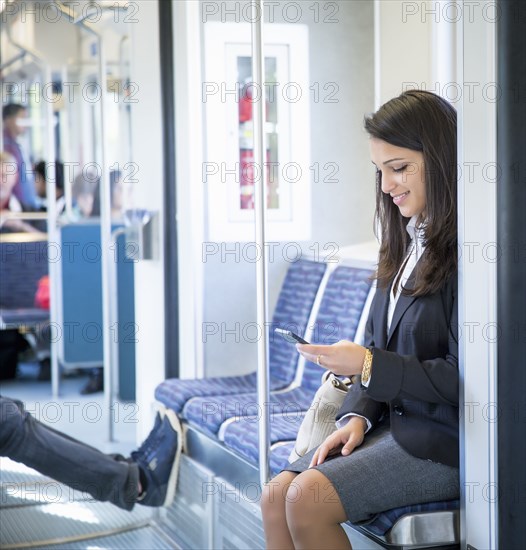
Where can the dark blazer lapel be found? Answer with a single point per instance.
(402, 304)
(380, 319)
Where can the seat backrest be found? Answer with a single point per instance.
(22, 264)
(292, 312)
(80, 310)
(339, 314)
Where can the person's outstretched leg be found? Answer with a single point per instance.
(273, 508)
(54, 454)
(106, 477)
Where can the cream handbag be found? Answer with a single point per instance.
(320, 420)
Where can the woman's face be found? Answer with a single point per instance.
(402, 173)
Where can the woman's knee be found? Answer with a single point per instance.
(273, 495)
(311, 499)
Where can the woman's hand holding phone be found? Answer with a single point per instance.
(344, 357)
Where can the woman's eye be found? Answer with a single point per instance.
(401, 169)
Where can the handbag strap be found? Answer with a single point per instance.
(339, 382)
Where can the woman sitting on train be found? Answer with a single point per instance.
(397, 437)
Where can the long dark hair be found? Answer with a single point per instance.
(421, 121)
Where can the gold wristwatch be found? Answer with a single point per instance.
(367, 365)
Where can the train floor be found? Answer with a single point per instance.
(37, 512)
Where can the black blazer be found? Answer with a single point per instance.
(414, 375)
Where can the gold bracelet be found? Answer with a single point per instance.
(367, 365)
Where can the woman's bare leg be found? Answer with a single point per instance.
(314, 513)
(273, 501)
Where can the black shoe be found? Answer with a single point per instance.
(95, 384)
(158, 459)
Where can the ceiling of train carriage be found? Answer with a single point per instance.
(39, 28)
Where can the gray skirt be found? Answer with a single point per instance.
(380, 475)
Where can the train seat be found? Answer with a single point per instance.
(213, 414)
(23, 262)
(242, 438)
(80, 302)
(293, 310)
(344, 295)
(222, 430)
(22, 317)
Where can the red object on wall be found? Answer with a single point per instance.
(42, 294)
(246, 100)
(245, 105)
(247, 177)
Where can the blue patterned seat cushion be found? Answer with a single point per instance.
(242, 434)
(384, 521)
(338, 318)
(23, 316)
(339, 313)
(279, 456)
(22, 264)
(292, 312)
(208, 413)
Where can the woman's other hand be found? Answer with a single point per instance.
(347, 438)
(344, 357)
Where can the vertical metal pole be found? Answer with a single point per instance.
(52, 230)
(65, 141)
(114, 309)
(108, 287)
(260, 200)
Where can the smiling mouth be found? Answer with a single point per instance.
(397, 199)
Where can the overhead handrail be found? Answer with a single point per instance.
(258, 68)
(14, 59)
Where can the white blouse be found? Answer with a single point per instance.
(415, 253)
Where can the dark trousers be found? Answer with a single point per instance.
(106, 477)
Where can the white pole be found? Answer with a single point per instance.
(260, 199)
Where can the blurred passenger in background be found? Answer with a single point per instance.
(15, 122)
(84, 189)
(116, 196)
(9, 203)
(41, 176)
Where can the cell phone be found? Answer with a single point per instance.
(290, 336)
